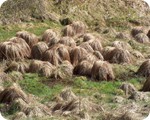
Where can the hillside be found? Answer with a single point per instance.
(75, 59)
(93, 12)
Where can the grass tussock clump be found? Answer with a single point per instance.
(56, 54)
(121, 45)
(22, 67)
(83, 68)
(87, 37)
(92, 57)
(142, 38)
(10, 94)
(144, 69)
(69, 102)
(77, 28)
(41, 67)
(102, 70)
(87, 47)
(15, 49)
(136, 31)
(47, 69)
(119, 56)
(96, 45)
(50, 37)
(63, 71)
(77, 54)
(38, 50)
(30, 38)
(148, 34)
(146, 86)
(68, 41)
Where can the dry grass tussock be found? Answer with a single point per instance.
(102, 70)
(68, 102)
(77, 28)
(106, 51)
(10, 94)
(121, 45)
(15, 49)
(92, 57)
(87, 47)
(136, 31)
(96, 45)
(38, 50)
(4, 77)
(142, 38)
(50, 37)
(63, 71)
(56, 54)
(30, 38)
(119, 56)
(87, 37)
(68, 41)
(22, 67)
(148, 34)
(137, 54)
(41, 67)
(83, 68)
(144, 69)
(146, 86)
(27, 104)
(77, 54)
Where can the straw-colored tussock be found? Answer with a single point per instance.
(98, 55)
(68, 31)
(119, 56)
(30, 38)
(87, 37)
(56, 54)
(75, 29)
(22, 67)
(83, 68)
(106, 51)
(35, 66)
(96, 45)
(146, 86)
(68, 41)
(87, 47)
(142, 38)
(68, 101)
(38, 50)
(47, 69)
(50, 37)
(10, 94)
(123, 35)
(144, 69)
(63, 71)
(137, 54)
(92, 57)
(121, 45)
(4, 77)
(79, 27)
(102, 70)
(15, 49)
(41, 67)
(136, 31)
(77, 54)
(148, 34)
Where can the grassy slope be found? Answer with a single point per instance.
(102, 92)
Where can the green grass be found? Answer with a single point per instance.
(32, 84)
(8, 31)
